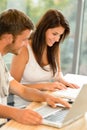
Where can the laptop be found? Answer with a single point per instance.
(61, 116)
(71, 93)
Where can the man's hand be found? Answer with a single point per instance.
(27, 116)
(52, 101)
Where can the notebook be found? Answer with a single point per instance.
(70, 92)
(61, 116)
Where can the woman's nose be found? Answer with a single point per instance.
(25, 43)
(57, 38)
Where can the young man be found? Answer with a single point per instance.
(15, 28)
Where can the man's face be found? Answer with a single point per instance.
(20, 41)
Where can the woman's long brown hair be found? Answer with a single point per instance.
(51, 19)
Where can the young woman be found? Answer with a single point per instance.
(38, 64)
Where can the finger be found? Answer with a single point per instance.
(69, 85)
(63, 102)
(34, 118)
(35, 121)
(51, 101)
(60, 86)
(54, 100)
(75, 86)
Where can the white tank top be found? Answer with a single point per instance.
(33, 73)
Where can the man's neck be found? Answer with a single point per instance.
(2, 50)
(2, 47)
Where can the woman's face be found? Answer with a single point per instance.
(53, 35)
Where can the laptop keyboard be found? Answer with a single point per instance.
(58, 116)
(68, 93)
(46, 110)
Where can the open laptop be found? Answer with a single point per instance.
(61, 116)
(71, 93)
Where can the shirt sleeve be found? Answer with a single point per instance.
(10, 78)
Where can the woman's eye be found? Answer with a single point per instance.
(55, 34)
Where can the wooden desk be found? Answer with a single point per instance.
(80, 124)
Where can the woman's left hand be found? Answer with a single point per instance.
(71, 85)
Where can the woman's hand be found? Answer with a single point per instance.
(53, 86)
(67, 84)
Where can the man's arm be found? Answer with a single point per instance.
(27, 116)
(24, 116)
(31, 94)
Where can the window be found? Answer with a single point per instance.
(36, 8)
(83, 54)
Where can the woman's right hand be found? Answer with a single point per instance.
(53, 86)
